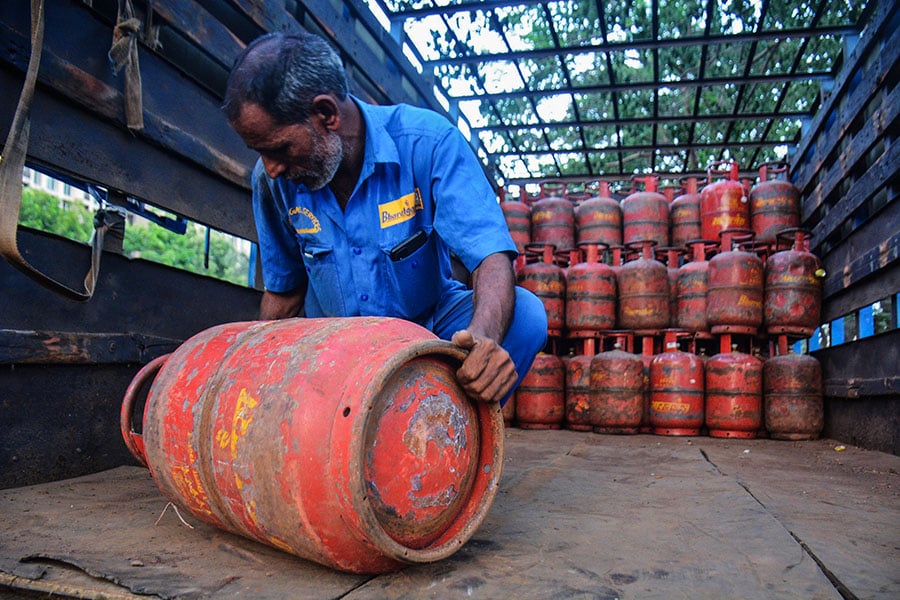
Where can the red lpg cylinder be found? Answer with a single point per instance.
(676, 392)
(541, 397)
(645, 215)
(734, 393)
(509, 411)
(793, 395)
(546, 281)
(774, 203)
(590, 295)
(734, 302)
(672, 258)
(617, 385)
(723, 204)
(793, 288)
(692, 288)
(648, 351)
(598, 220)
(579, 401)
(518, 221)
(347, 442)
(643, 292)
(684, 214)
(553, 222)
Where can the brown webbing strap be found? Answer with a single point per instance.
(124, 52)
(12, 161)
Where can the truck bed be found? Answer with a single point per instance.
(578, 515)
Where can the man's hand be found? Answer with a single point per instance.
(487, 373)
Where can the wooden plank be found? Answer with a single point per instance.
(863, 293)
(850, 372)
(826, 148)
(857, 387)
(195, 23)
(197, 129)
(878, 257)
(87, 348)
(882, 173)
(870, 36)
(77, 143)
(881, 122)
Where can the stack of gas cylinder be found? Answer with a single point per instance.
(672, 311)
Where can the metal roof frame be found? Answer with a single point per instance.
(748, 86)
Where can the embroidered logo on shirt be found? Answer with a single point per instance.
(314, 225)
(400, 210)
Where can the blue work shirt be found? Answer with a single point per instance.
(420, 181)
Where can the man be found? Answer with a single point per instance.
(358, 207)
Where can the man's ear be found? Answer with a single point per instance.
(325, 111)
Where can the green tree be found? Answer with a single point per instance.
(74, 221)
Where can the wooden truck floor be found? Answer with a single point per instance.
(578, 515)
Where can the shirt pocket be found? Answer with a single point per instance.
(324, 298)
(413, 282)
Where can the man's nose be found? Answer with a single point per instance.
(274, 168)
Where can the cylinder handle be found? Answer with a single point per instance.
(134, 440)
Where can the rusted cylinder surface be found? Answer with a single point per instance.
(344, 441)
(734, 301)
(509, 411)
(676, 393)
(684, 215)
(691, 290)
(774, 204)
(590, 294)
(553, 222)
(643, 286)
(598, 220)
(617, 385)
(792, 302)
(793, 397)
(578, 393)
(518, 221)
(546, 281)
(723, 205)
(734, 398)
(645, 216)
(541, 397)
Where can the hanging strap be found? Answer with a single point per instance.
(12, 162)
(124, 53)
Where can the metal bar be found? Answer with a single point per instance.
(650, 85)
(647, 121)
(802, 33)
(639, 148)
(66, 347)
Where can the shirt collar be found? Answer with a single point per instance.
(380, 146)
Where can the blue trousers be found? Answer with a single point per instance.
(527, 333)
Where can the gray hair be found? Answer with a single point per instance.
(282, 74)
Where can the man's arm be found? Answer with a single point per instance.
(488, 372)
(281, 305)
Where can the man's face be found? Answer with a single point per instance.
(303, 152)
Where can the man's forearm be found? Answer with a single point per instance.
(280, 306)
(493, 283)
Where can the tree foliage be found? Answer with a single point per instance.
(45, 212)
